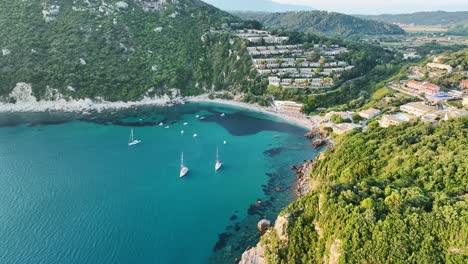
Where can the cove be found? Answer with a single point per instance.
(72, 191)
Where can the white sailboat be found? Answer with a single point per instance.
(183, 170)
(218, 162)
(131, 140)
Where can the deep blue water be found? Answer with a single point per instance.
(72, 191)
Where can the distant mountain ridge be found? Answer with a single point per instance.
(256, 5)
(422, 18)
(322, 22)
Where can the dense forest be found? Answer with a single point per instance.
(395, 195)
(321, 22)
(423, 18)
(119, 50)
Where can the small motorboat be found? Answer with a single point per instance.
(181, 132)
(197, 116)
(222, 115)
(185, 124)
(161, 124)
(224, 142)
(167, 127)
(201, 118)
(195, 135)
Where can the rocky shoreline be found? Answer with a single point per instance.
(303, 185)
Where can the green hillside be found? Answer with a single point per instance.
(118, 50)
(423, 18)
(321, 22)
(395, 195)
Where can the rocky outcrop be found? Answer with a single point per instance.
(255, 255)
(263, 225)
(302, 178)
(281, 225)
(335, 252)
(318, 143)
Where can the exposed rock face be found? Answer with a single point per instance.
(5, 52)
(263, 225)
(121, 5)
(50, 12)
(302, 178)
(281, 224)
(318, 143)
(22, 93)
(335, 252)
(255, 255)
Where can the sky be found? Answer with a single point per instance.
(344, 6)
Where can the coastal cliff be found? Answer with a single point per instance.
(370, 195)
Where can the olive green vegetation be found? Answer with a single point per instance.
(127, 51)
(422, 18)
(459, 62)
(458, 29)
(395, 195)
(322, 22)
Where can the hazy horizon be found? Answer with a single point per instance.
(362, 7)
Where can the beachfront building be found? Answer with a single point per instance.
(344, 127)
(417, 109)
(369, 113)
(423, 87)
(288, 106)
(394, 120)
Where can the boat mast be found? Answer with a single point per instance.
(217, 155)
(182, 160)
(131, 136)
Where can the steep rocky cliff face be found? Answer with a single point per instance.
(118, 50)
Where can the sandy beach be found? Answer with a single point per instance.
(88, 105)
(298, 121)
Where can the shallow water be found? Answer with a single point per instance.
(72, 191)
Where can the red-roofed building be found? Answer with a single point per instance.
(423, 87)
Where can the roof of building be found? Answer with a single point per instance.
(420, 106)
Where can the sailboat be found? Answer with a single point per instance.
(218, 162)
(183, 170)
(131, 140)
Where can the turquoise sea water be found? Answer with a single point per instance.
(72, 191)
